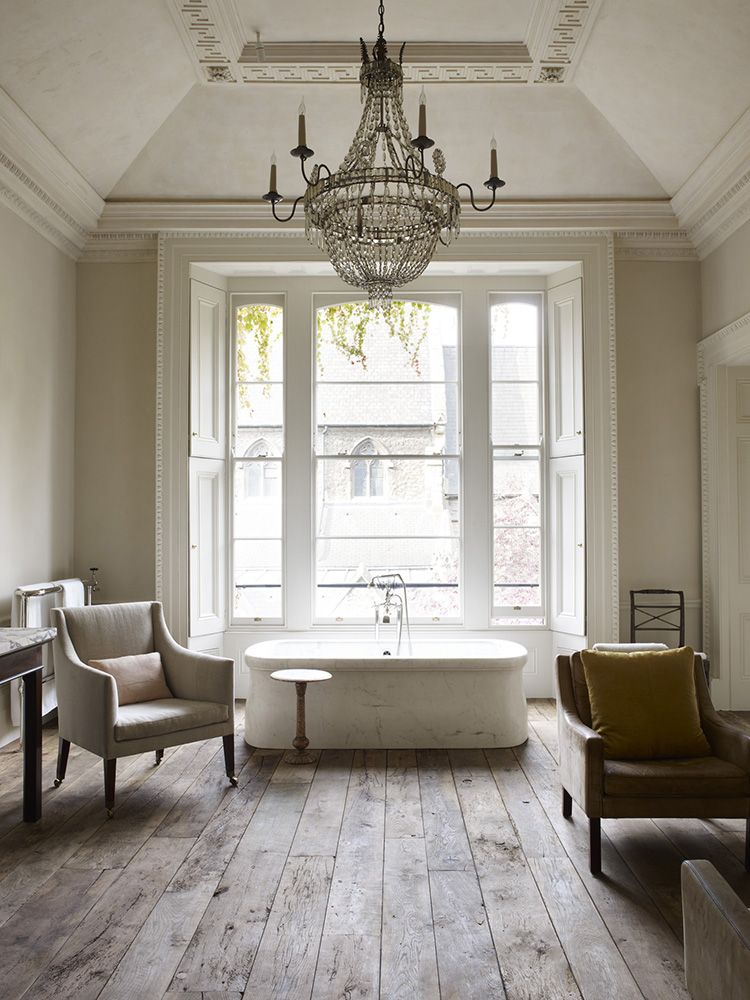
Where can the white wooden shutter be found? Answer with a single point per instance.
(207, 463)
(207, 546)
(567, 545)
(208, 370)
(565, 335)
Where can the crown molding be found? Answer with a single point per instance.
(41, 185)
(617, 214)
(715, 200)
(213, 34)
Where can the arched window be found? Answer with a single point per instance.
(368, 470)
(262, 479)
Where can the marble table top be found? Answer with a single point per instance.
(13, 639)
(301, 676)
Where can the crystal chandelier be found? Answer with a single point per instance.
(379, 217)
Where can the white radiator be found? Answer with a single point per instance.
(37, 611)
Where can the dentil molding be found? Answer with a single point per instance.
(213, 34)
(715, 200)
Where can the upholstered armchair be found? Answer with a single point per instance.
(717, 935)
(715, 786)
(89, 715)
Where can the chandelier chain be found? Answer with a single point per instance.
(381, 25)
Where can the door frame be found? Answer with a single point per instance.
(728, 347)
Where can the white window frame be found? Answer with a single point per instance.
(236, 301)
(513, 612)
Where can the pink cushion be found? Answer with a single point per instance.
(139, 678)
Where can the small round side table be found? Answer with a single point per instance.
(300, 678)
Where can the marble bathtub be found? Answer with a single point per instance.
(444, 694)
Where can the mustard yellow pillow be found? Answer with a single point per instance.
(644, 705)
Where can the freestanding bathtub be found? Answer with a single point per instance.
(444, 694)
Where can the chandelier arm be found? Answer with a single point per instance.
(471, 197)
(291, 214)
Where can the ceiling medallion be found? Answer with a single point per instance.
(379, 217)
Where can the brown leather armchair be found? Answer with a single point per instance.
(717, 935)
(693, 787)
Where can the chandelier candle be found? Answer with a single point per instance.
(493, 157)
(272, 183)
(380, 216)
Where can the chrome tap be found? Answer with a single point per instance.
(392, 603)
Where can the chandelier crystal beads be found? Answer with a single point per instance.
(379, 217)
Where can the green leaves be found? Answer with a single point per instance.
(346, 326)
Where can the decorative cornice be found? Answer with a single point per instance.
(212, 32)
(105, 248)
(625, 217)
(660, 245)
(715, 200)
(40, 185)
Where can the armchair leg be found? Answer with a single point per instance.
(63, 749)
(229, 758)
(159, 756)
(567, 804)
(747, 844)
(595, 846)
(110, 770)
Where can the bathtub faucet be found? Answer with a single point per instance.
(392, 603)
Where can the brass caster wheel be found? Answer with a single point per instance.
(110, 813)
(232, 780)
(57, 782)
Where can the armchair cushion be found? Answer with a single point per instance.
(684, 777)
(168, 715)
(139, 678)
(644, 704)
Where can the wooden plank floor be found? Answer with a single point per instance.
(402, 874)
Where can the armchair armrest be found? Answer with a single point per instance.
(86, 697)
(581, 748)
(192, 674)
(717, 935)
(727, 741)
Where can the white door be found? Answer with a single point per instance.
(565, 337)
(734, 527)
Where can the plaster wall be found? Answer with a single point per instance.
(115, 428)
(37, 373)
(724, 281)
(658, 324)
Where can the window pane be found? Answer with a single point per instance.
(515, 340)
(416, 497)
(260, 352)
(429, 567)
(257, 579)
(519, 597)
(516, 498)
(517, 557)
(405, 419)
(414, 341)
(515, 413)
(257, 499)
(259, 411)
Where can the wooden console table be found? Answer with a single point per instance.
(21, 656)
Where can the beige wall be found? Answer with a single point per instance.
(725, 279)
(115, 408)
(37, 372)
(658, 324)
(37, 363)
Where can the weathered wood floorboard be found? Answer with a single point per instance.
(406, 875)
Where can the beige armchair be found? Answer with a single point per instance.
(693, 787)
(717, 935)
(88, 710)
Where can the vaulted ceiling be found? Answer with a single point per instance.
(175, 99)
